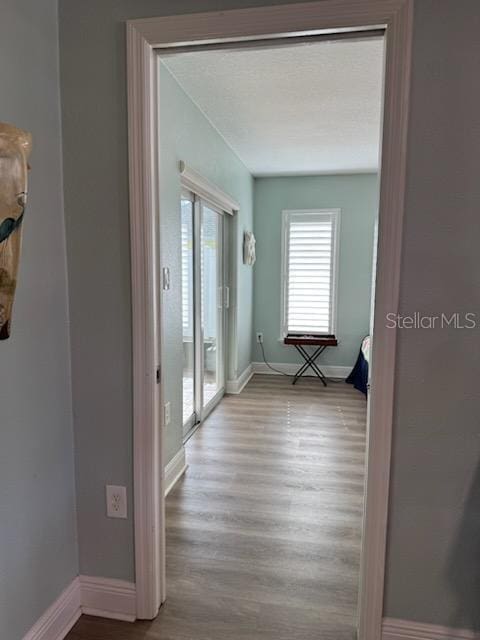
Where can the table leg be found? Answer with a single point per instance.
(315, 367)
(310, 362)
(304, 366)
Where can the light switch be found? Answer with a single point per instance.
(166, 278)
(167, 413)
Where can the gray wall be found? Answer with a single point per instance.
(94, 116)
(38, 556)
(357, 197)
(433, 555)
(434, 533)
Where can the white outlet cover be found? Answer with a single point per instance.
(116, 501)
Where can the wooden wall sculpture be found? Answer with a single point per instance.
(15, 147)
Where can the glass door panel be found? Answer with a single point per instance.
(203, 313)
(212, 314)
(188, 310)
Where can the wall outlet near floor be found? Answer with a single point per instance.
(116, 501)
(167, 413)
(259, 337)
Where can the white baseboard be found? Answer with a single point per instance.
(290, 368)
(175, 470)
(102, 597)
(108, 598)
(60, 617)
(237, 385)
(393, 629)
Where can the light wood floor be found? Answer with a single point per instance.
(263, 532)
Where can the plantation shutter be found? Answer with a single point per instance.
(187, 265)
(186, 279)
(309, 278)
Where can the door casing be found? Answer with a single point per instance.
(322, 18)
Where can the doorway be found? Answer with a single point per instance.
(144, 37)
(278, 466)
(204, 306)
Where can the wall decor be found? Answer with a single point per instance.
(15, 147)
(249, 255)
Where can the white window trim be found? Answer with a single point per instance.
(286, 215)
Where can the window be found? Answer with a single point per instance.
(310, 251)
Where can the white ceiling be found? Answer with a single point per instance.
(299, 109)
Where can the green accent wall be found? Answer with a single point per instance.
(357, 197)
(185, 134)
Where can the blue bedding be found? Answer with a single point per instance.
(359, 375)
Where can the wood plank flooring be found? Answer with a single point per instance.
(263, 532)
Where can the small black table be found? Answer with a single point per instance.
(320, 343)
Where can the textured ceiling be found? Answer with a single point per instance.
(300, 109)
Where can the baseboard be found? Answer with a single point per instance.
(290, 368)
(237, 385)
(60, 617)
(175, 470)
(393, 629)
(108, 598)
(103, 597)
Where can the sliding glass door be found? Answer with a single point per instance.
(212, 303)
(203, 308)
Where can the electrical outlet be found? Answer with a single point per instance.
(167, 413)
(116, 501)
(260, 337)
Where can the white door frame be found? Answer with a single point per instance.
(144, 36)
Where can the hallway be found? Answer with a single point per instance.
(263, 532)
